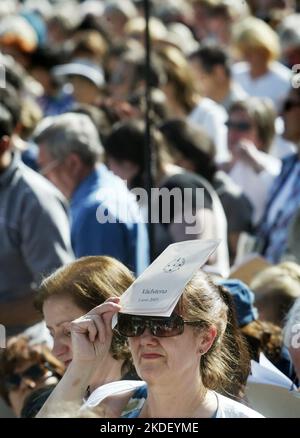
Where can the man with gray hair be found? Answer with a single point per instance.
(34, 230)
(104, 216)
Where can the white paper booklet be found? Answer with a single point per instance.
(266, 372)
(270, 392)
(157, 291)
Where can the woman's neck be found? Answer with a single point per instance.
(110, 371)
(165, 402)
(257, 70)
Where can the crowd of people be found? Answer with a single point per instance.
(224, 83)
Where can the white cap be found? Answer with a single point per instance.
(88, 70)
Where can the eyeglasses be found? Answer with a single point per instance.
(239, 126)
(160, 326)
(35, 372)
(289, 104)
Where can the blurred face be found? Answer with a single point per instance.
(181, 161)
(206, 81)
(291, 117)
(61, 173)
(240, 127)
(257, 56)
(124, 169)
(27, 377)
(59, 312)
(84, 91)
(121, 80)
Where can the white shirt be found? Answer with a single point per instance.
(256, 186)
(227, 408)
(275, 84)
(211, 117)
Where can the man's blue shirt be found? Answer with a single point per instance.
(105, 221)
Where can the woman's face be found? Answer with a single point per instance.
(240, 127)
(172, 359)
(59, 312)
(32, 376)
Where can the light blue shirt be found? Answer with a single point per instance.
(105, 221)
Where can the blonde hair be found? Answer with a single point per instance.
(135, 27)
(279, 285)
(253, 33)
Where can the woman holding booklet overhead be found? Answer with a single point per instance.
(196, 352)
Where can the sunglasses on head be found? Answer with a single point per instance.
(35, 372)
(289, 104)
(160, 326)
(239, 126)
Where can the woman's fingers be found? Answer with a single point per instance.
(85, 325)
(108, 306)
(101, 328)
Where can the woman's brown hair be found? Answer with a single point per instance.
(88, 282)
(226, 365)
(19, 352)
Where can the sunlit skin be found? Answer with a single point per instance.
(174, 361)
(59, 312)
(66, 175)
(85, 91)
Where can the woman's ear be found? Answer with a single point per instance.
(206, 339)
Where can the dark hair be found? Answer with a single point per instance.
(126, 142)
(88, 282)
(193, 143)
(226, 365)
(209, 56)
(10, 99)
(47, 57)
(263, 337)
(6, 122)
(35, 400)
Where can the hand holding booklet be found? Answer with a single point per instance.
(157, 291)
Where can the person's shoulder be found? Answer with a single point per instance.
(281, 71)
(37, 187)
(210, 107)
(232, 409)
